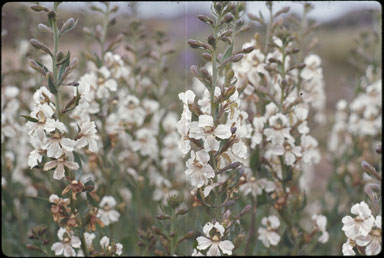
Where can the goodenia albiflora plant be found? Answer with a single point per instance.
(120, 171)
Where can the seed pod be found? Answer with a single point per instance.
(218, 6)
(284, 10)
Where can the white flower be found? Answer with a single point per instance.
(348, 248)
(279, 129)
(362, 224)
(205, 129)
(187, 97)
(89, 238)
(258, 125)
(268, 235)
(256, 187)
(59, 165)
(198, 168)
(56, 145)
(214, 242)
(104, 243)
(373, 240)
(289, 150)
(107, 214)
(68, 242)
(321, 224)
(87, 136)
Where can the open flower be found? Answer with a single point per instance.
(59, 164)
(213, 240)
(269, 235)
(68, 242)
(205, 129)
(56, 145)
(372, 241)
(362, 224)
(87, 136)
(198, 168)
(107, 214)
(320, 225)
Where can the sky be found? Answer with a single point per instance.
(324, 10)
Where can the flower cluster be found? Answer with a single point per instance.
(363, 230)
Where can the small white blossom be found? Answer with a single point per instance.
(214, 242)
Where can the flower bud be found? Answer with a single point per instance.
(237, 58)
(212, 40)
(247, 50)
(39, 8)
(245, 210)
(204, 72)
(228, 17)
(44, 28)
(207, 56)
(38, 45)
(194, 71)
(205, 19)
(162, 217)
(182, 212)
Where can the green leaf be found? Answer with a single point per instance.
(46, 70)
(51, 85)
(31, 119)
(78, 160)
(227, 53)
(63, 65)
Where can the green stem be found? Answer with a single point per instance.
(54, 67)
(269, 26)
(105, 26)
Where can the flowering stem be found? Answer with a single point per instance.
(251, 234)
(268, 29)
(54, 67)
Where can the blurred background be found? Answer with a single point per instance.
(342, 26)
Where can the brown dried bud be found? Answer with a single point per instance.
(300, 66)
(59, 56)
(195, 109)
(197, 44)
(274, 60)
(33, 247)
